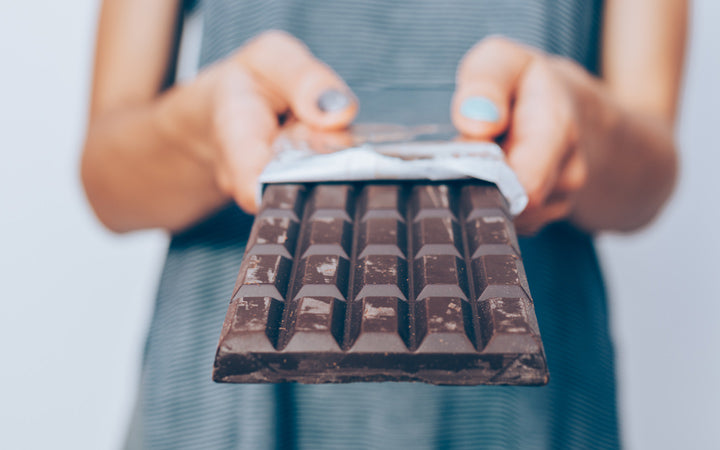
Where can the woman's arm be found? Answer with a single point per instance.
(134, 169)
(634, 158)
(167, 159)
(599, 151)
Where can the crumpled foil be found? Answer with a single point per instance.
(389, 152)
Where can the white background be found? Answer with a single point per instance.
(76, 300)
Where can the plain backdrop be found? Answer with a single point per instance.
(76, 300)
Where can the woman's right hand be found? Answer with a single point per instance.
(228, 116)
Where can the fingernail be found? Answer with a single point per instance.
(480, 108)
(333, 100)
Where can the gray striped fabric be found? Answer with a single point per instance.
(400, 57)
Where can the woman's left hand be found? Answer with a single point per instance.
(529, 102)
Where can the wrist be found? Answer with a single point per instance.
(181, 117)
(598, 121)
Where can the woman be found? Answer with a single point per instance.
(582, 95)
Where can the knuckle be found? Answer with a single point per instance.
(224, 116)
(562, 64)
(542, 65)
(237, 183)
(565, 121)
(579, 178)
(244, 118)
(534, 228)
(498, 42)
(238, 75)
(312, 73)
(245, 198)
(489, 44)
(220, 119)
(572, 125)
(527, 226)
(562, 115)
(535, 197)
(274, 37)
(224, 181)
(269, 47)
(542, 74)
(584, 175)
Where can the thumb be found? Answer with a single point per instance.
(486, 82)
(314, 93)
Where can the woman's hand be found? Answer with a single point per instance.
(230, 114)
(508, 91)
(169, 159)
(564, 132)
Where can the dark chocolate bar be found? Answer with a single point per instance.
(409, 281)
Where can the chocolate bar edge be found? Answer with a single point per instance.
(267, 370)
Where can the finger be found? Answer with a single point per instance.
(573, 176)
(320, 141)
(244, 129)
(486, 82)
(313, 91)
(531, 221)
(542, 132)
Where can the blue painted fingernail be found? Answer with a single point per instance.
(333, 100)
(480, 108)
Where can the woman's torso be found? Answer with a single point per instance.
(400, 58)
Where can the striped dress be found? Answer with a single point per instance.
(399, 57)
